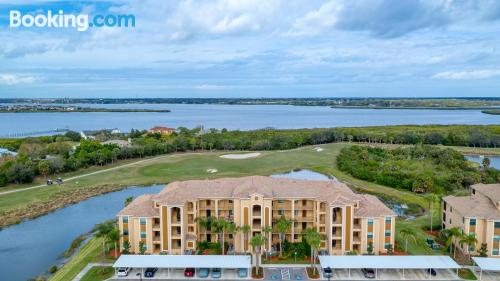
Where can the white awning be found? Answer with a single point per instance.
(183, 261)
(488, 264)
(388, 262)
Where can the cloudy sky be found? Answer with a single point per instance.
(262, 48)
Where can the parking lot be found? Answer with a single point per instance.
(396, 274)
(177, 274)
(488, 275)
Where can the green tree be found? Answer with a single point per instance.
(114, 236)
(313, 238)
(142, 247)
(369, 249)
(205, 224)
(267, 230)
(44, 168)
(282, 227)
(245, 229)
(433, 198)
(408, 233)
(257, 242)
(102, 231)
(470, 241)
(483, 251)
(486, 163)
(128, 200)
(126, 247)
(220, 226)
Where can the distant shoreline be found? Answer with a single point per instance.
(492, 111)
(89, 110)
(483, 109)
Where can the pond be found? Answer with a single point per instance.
(494, 160)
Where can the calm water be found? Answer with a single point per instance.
(494, 160)
(28, 249)
(243, 117)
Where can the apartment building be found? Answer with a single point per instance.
(477, 214)
(166, 222)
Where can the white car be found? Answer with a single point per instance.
(123, 271)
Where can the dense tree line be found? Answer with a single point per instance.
(421, 168)
(55, 154)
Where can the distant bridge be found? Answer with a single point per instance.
(35, 133)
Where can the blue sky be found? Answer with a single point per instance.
(222, 48)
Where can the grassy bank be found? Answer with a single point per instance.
(90, 252)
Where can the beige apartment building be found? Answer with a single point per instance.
(477, 214)
(166, 222)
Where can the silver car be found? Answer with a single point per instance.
(216, 273)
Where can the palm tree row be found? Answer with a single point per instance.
(452, 236)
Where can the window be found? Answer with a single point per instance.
(281, 212)
(143, 234)
(497, 224)
(296, 213)
(370, 235)
(473, 191)
(388, 220)
(495, 252)
(472, 222)
(143, 221)
(387, 246)
(281, 201)
(230, 213)
(125, 232)
(124, 219)
(451, 209)
(370, 222)
(387, 233)
(444, 205)
(295, 236)
(496, 238)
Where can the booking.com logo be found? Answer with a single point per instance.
(61, 20)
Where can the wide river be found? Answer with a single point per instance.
(28, 249)
(243, 117)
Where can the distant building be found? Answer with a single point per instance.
(477, 214)
(162, 130)
(115, 131)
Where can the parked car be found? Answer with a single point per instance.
(368, 273)
(431, 271)
(123, 271)
(189, 272)
(327, 272)
(216, 273)
(203, 272)
(150, 272)
(242, 272)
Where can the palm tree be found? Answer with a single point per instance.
(408, 233)
(446, 238)
(455, 234)
(245, 229)
(433, 198)
(283, 226)
(103, 229)
(257, 242)
(470, 240)
(114, 236)
(486, 163)
(205, 223)
(313, 238)
(232, 229)
(267, 230)
(220, 227)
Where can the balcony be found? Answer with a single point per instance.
(357, 227)
(337, 220)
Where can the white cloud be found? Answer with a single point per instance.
(15, 79)
(468, 75)
(220, 17)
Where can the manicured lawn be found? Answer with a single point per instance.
(90, 252)
(98, 273)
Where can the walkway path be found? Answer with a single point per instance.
(82, 273)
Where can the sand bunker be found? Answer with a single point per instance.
(240, 156)
(211, 171)
(318, 149)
